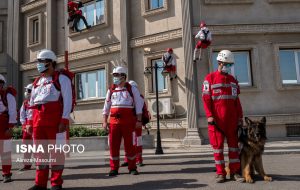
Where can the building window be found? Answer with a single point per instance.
(94, 12)
(241, 69)
(289, 61)
(162, 81)
(153, 7)
(91, 84)
(155, 4)
(34, 30)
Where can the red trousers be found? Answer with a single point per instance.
(46, 120)
(122, 124)
(26, 139)
(5, 156)
(217, 142)
(138, 143)
(203, 44)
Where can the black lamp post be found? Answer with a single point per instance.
(147, 72)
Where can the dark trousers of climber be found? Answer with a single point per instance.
(77, 18)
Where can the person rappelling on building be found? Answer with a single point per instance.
(75, 14)
(169, 60)
(8, 119)
(26, 137)
(205, 39)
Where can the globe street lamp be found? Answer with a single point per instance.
(147, 73)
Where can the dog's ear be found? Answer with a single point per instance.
(263, 120)
(248, 121)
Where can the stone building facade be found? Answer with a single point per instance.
(136, 33)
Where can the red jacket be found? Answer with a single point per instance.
(73, 8)
(220, 97)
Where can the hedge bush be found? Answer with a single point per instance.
(74, 132)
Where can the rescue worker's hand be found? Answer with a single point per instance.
(8, 133)
(105, 126)
(138, 124)
(62, 128)
(210, 120)
(241, 122)
(28, 129)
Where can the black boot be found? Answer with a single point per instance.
(56, 187)
(7, 178)
(113, 173)
(134, 172)
(35, 187)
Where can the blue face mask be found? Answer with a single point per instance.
(226, 68)
(41, 67)
(117, 80)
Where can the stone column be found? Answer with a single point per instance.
(126, 54)
(193, 135)
(51, 25)
(13, 34)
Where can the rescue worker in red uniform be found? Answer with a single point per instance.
(169, 60)
(137, 139)
(75, 14)
(26, 137)
(51, 112)
(125, 111)
(205, 39)
(8, 116)
(224, 115)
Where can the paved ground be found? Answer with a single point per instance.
(190, 168)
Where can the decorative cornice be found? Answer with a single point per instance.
(156, 38)
(284, 1)
(33, 5)
(99, 51)
(219, 2)
(252, 28)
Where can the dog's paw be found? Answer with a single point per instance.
(249, 180)
(267, 178)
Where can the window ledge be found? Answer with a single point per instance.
(85, 31)
(284, 87)
(284, 1)
(249, 89)
(164, 94)
(31, 45)
(90, 101)
(219, 2)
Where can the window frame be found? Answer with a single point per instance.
(31, 20)
(250, 74)
(254, 63)
(149, 92)
(166, 84)
(1, 34)
(150, 4)
(146, 11)
(86, 72)
(296, 52)
(96, 26)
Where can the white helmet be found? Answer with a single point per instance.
(225, 56)
(2, 78)
(120, 70)
(29, 86)
(47, 54)
(133, 83)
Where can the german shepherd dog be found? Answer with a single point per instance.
(253, 137)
